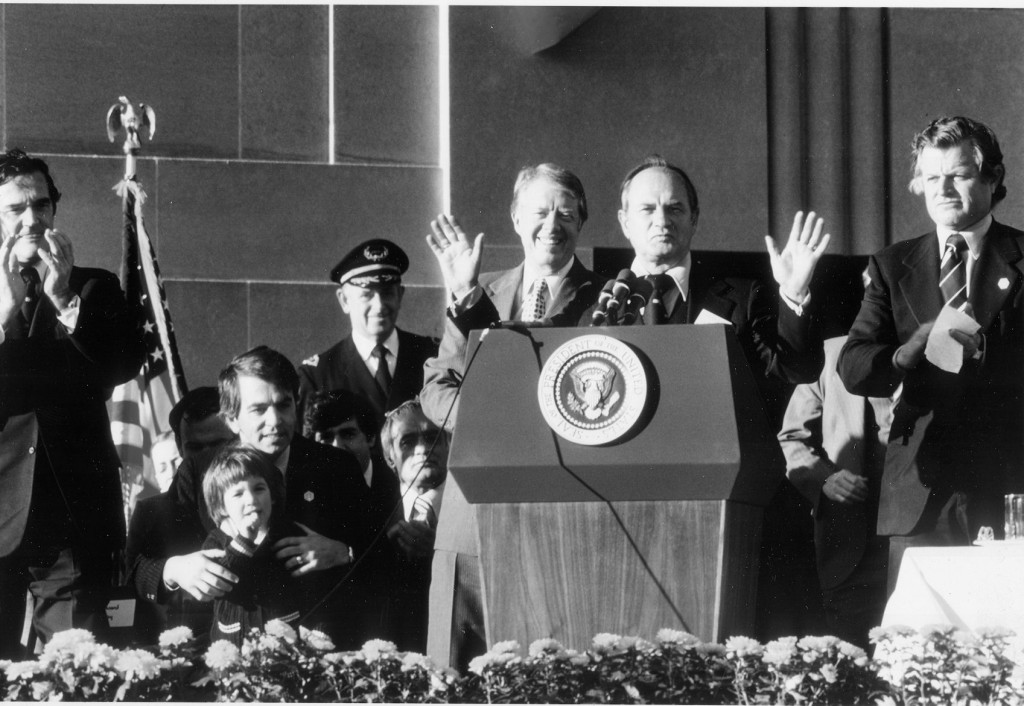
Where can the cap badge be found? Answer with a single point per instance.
(308, 496)
(375, 253)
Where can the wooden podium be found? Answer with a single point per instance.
(689, 487)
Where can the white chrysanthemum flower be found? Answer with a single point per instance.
(830, 673)
(16, 670)
(414, 660)
(316, 639)
(669, 636)
(743, 646)
(580, 659)
(780, 651)
(222, 655)
(281, 629)
(45, 690)
(505, 646)
(175, 637)
(137, 664)
(66, 640)
(374, 650)
(94, 656)
(333, 658)
(710, 649)
(606, 642)
(546, 646)
(477, 665)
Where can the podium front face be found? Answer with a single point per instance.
(688, 482)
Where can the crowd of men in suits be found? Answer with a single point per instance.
(890, 448)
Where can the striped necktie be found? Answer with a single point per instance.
(953, 272)
(536, 302)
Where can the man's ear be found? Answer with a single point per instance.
(622, 223)
(999, 173)
(232, 423)
(340, 293)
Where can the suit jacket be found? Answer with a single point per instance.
(324, 490)
(952, 432)
(160, 528)
(823, 431)
(341, 368)
(58, 466)
(443, 373)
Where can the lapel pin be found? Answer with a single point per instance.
(308, 496)
(1003, 283)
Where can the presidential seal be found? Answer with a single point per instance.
(593, 390)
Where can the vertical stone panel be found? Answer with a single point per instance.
(284, 82)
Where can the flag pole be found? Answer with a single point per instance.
(140, 408)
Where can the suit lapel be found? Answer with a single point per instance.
(357, 375)
(503, 290)
(919, 284)
(997, 275)
(712, 296)
(576, 279)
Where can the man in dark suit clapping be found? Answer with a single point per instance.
(956, 444)
(66, 339)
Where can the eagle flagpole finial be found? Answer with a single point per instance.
(123, 115)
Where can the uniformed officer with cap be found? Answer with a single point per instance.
(377, 360)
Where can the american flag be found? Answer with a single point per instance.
(139, 408)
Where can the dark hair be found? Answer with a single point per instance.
(329, 409)
(559, 175)
(260, 362)
(947, 132)
(655, 161)
(16, 163)
(233, 463)
(195, 405)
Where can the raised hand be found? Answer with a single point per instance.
(794, 266)
(12, 286)
(59, 259)
(458, 257)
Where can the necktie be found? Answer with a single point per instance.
(423, 511)
(656, 312)
(34, 290)
(953, 272)
(383, 375)
(536, 302)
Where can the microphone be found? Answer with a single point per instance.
(621, 289)
(600, 315)
(642, 292)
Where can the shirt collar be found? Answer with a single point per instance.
(368, 473)
(680, 273)
(409, 496)
(973, 235)
(365, 344)
(531, 274)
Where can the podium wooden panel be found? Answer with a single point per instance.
(566, 569)
(690, 488)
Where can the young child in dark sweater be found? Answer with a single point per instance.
(245, 495)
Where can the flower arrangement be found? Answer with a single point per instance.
(937, 665)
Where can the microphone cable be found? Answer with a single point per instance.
(377, 538)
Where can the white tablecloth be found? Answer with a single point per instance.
(967, 587)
